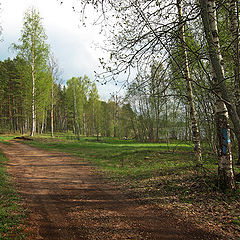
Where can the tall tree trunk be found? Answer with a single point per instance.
(75, 111)
(33, 87)
(93, 120)
(84, 119)
(9, 107)
(115, 116)
(233, 10)
(33, 103)
(225, 169)
(52, 107)
(194, 125)
(16, 119)
(235, 46)
(42, 126)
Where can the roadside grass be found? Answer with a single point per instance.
(4, 138)
(11, 214)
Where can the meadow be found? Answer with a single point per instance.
(160, 173)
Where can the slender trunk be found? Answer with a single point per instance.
(134, 129)
(194, 125)
(33, 87)
(42, 127)
(60, 122)
(9, 107)
(33, 103)
(16, 119)
(225, 169)
(233, 10)
(75, 111)
(93, 120)
(38, 127)
(235, 46)
(52, 108)
(115, 116)
(84, 119)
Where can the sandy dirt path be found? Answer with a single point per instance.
(67, 200)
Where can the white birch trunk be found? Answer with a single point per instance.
(235, 46)
(225, 169)
(194, 125)
(33, 94)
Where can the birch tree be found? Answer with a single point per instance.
(225, 169)
(93, 111)
(34, 49)
(54, 72)
(234, 23)
(184, 55)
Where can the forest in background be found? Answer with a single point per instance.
(187, 86)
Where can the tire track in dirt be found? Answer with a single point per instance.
(67, 201)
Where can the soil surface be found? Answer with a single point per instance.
(66, 199)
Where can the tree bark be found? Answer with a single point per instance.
(75, 111)
(225, 169)
(33, 83)
(84, 119)
(9, 107)
(115, 116)
(194, 125)
(52, 107)
(33, 95)
(235, 47)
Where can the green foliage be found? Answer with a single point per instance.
(33, 38)
(34, 50)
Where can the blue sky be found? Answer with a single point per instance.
(73, 45)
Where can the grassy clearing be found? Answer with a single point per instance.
(11, 214)
(124, 158)
(161, 173)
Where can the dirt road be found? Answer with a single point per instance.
(66, 200)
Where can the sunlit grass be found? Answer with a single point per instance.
(123, 157)
(4, 138)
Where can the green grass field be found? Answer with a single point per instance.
(11, 214)
(157, 172)
(124, 158)
(156, 169)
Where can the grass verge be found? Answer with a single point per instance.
(11, 214)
